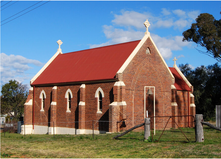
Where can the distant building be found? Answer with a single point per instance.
(2, 120)
(111, 87)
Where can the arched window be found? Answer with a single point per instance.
(68, 96)
(42, 97)
(100, 101)
(69, 100)
(99, 94)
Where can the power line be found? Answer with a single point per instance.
(23, 13)
(9, 5)
(20, 11)
(5, 4)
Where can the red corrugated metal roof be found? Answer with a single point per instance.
(88, 65)
(180, 84)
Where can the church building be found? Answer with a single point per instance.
(107, 89)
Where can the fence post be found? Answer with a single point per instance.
(218, 116)
(146, 128)
(199, 128)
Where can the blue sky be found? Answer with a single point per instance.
(30, 30)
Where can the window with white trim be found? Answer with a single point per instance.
(68, 96)
(42, 97)
(148, 51)
(99, 94)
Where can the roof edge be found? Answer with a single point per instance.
(183, 77)
(77, 82)
(132, 55)
(45, 66)
(168, 69)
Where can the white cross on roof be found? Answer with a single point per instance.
(147, 24)
(175, 59)
(59, 44)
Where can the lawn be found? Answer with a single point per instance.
(172, 144)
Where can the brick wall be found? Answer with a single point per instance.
(70, 119)
(147, 70)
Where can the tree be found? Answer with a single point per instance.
(13, 97)
(207, 33)
(207, 86)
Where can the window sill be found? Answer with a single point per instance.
(68, 111)
(99, 112)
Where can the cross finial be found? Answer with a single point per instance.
(59, 44)
(147, 24)
(175, 59)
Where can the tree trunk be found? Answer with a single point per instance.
(137, 126)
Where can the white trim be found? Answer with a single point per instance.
(119, 83)
(191, 95)
(118, 103)
(173, 87)
(29, 102)
(123, 103)
(99, 112)
(26, 129)
(174, 104)
(135, 51)
(55, 87)
(114, 104)
(67, 97)
(81, 103)
(65, 130)
(163, 60)
(45, 66)
(31, 89)
(83, 86)
(41, 94)
(192, 105)
(183, 77)
(53, 103)
(132, 55)
(97, 92)
(66, 94)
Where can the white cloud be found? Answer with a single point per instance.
(164, 23)
(181, 23)
(167, 45)
(14, 67)
(191, 66)
(128, 26)
(130, 18)
(119, 36)
(165, 11)
(180, 13)
(193, 14)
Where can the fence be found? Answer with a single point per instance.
(167, 128)
(11, 127)
(173, 128)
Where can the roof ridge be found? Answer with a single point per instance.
(101, 47)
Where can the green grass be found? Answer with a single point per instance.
(171, 145)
